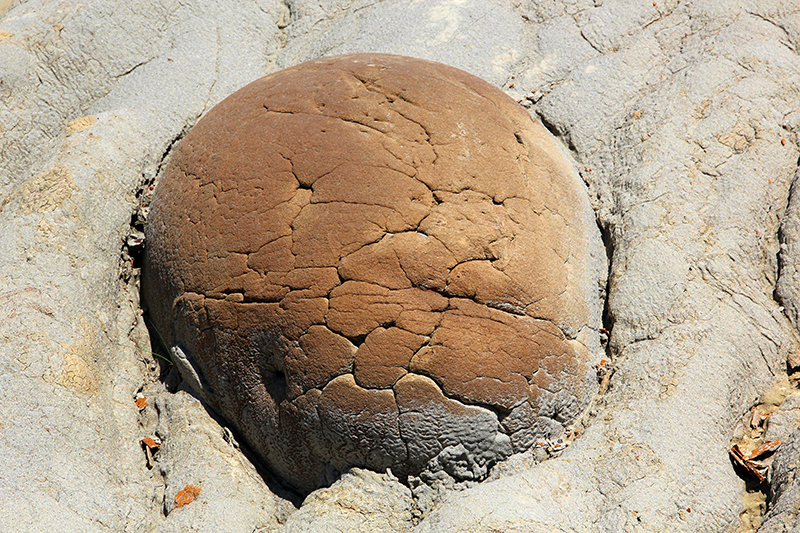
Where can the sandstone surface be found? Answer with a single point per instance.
(682, 118)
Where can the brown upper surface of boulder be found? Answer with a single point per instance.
(376, 261)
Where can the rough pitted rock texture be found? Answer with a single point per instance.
(377, 261)
(341, 507)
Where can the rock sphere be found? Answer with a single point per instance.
(376, 261)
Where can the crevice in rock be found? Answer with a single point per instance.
(134, 67)
(162, 161)
(131, 258)
(780, 261)
(498, 411)
(169, 374)
(357, 340)
(591, 43)
(607, 318)
(559, 133)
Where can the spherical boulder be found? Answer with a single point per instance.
(376, 261)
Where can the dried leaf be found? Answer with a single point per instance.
(187, 495)
(151, 443)
(761, 465)
(768, 447)
(745, 463)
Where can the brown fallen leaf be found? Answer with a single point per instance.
(747, 464)
(768, 447)
(748, 461)
(151, 443)
(187, 495)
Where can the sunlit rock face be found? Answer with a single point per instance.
(376, 261)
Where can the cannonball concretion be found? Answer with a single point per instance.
(376, 261)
